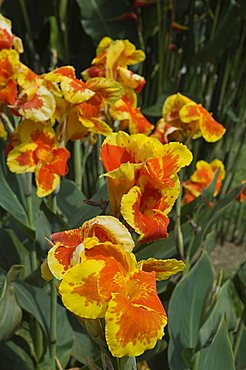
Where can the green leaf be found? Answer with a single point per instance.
(47, 222)
(14, 357)
(99, 19)
(165, 248)
(10, 202)
(241, 354)
(69, 199)
(219, 355)
(239, 282)
(186, 310)
(83, 346)
(223, 307)
(37, 302)
(86, 212)
(10, 311)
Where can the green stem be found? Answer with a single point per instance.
(196, 361)
(53, 324)
(53, 303)
(28, 195)
(178, 230)
(78, 163)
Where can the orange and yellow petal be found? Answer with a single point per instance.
(3, 132)
(114, 150)
(38, 107)
(119, 182)
(151, 224)
(130, 79)
(105, 88)
(135, 320)
(211, 130)
(174, 156)
(45, 271)
(190, 112)
(172, 106)
(69, 238)
(46, 181)
(163, 268)
(108, 229)
(79, 290)
(61, 258)
(21, 159)
(75, 91)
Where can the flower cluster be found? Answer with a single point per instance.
(190, 120)
(99, 275)
(101, 278)
(142, 180)
(201, 179)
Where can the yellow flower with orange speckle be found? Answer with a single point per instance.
(201, 179)
(191, 118)
(33, 148)
(102, 279)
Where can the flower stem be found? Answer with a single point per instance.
(28, 195)
(78, 163)
(53, 319)
(53, 302)
(178, 230)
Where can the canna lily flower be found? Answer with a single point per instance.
(191, 118)
(201, 179)
(9, 61)
(111, 61)
(109, 283)
(7, 38)
(67, 247)
(130, 116)
(33, 148)
(142, 180)
(81, 106)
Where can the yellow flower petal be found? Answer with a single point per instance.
(163, 268)
(108, 228)
(79, 290)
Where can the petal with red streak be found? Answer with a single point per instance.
(151, 224)
(136, 320)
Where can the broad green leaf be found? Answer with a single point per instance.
(14, 357)
(222, 307)
(69, 199)
(165, 248)
(47, 222)
(219, 355)
(241, 354)
(10, 202)
(37, 302)
(86, 211)
(239, 282)
(10, 311)
(205, 217)
(186, 310)
(99, 19)
(83, 346)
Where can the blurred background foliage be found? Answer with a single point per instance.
(192, 46)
